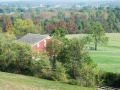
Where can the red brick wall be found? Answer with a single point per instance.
(40, 45)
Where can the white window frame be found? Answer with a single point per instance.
(44, 43)
(48, 38)
(38, 45)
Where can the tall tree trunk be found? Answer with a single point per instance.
(54, 62)
(95, 43)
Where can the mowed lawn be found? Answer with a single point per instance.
(107, 57)
(10, 81)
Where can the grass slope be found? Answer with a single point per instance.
(107, 60)
(106, 57)
(10, 81)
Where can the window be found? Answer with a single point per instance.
(44, 43)
(38, 45)
(48, 38)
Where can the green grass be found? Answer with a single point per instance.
(69, 36)
(107, 60)
(107, 57)
(10, 81)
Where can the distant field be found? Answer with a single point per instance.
(20, 82)
(107, 60)
(69, 36)
(106, 57)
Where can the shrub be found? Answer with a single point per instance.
(109, 79)
(16, 59)
(73, 82)
(59, 73)
(42, 68)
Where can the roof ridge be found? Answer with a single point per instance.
(32, 38)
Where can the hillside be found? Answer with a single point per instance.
(10, 81)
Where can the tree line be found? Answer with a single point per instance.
(73, 21)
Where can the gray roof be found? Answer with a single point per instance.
(32, 38)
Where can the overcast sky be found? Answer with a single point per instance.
(58, 0)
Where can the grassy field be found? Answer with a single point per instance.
(107, 57)
(10, 81)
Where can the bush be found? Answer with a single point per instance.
(16, 59)
(73, 82)
(108, 79)
(59, 73)
(42, 68)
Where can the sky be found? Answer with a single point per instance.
(58, 0)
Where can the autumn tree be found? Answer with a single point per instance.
(49, 27)
(54, 46)
(6, 23)
(61, 24)
(71, 27)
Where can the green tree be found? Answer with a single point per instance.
(59, 72)
(71, 56)
(61, 15)
(97, 33)
(77, 62)
(23, 26)
(53, 48)
(41, 66)
(5, 39)
(56, 44)
(58, 33)
(15, 56)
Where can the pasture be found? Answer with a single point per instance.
(10, 81)
(107, 56)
